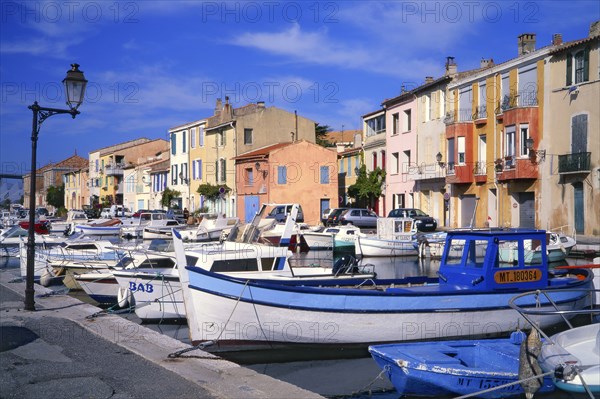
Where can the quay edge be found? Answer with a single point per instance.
(217, 377)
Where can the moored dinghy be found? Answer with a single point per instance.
(456, 367)
(382, 310)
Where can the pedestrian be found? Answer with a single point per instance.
(186, 213)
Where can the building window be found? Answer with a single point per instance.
(578, 66)
(247, 136)
(528, 86)
(201, 136)
(523, 136)
(382, 159)
(193, 137)
(183, 141)
(407, 120)
(395, 123)
(221, 138)
(374, 160)
(465, 104)
(341, 167)
(96, 165)
(249, 176)
(407, 161)
(375, 125)
(221, 167)
(197, 169)
(395, 162)
(349, 166)
(324, 175)
(461, 150)
(173, 144)
(509, 146)
(184, 171)
(281, 175)
(174, 174)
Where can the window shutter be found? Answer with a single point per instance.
(223, 170)
(217, 170)
(569, 69)
(586, 64)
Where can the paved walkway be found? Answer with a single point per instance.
(58, 351)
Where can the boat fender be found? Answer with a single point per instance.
(124, 298)
(528, 364)
(46, 279)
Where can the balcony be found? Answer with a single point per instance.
(512, 168)
(480, 114)
(518, 99)
(574, 163)
(480, 172)
(114, 169)
(425, 172)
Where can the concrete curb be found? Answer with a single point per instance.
(220, 377)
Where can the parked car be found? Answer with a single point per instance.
(280, 213)
(359, 218)
(334, 216)
(423, 221)
(325, 215)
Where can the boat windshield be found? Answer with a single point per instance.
(15, 231)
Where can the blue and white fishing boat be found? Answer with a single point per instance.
(470, 298)
(452, 368)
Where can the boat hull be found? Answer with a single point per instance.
(267, 312)
(157, 296)
(452, 368)
(367, 246)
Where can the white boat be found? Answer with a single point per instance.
(101, 227)
(330, 237)
(573, 355)
(470, 298)
(134, 227)
(12, 237)
(80, 254)
(74, 217)
(211, 228)
(395, 237)
(102, 285)
(161, 229)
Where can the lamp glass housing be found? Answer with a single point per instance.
(75, 85)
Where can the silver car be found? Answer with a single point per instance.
(359, 218)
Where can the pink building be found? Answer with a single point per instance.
(401, 150)
(293, 172)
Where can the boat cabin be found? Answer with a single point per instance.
(493, 260)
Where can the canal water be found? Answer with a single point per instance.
(358, 378)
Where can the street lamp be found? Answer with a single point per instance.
(75, 84)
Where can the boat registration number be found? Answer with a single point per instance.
(517, 276)
(403, 237)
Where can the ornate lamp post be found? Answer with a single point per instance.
(75, 84)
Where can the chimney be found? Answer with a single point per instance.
(450, 66)
(526, 43)
(428, 79)
(218, 107)
(486, 63)
(594, 29)
(556, 39)
(260, 104)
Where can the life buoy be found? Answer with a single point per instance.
(124, 298)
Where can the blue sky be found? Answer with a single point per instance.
(153, 65)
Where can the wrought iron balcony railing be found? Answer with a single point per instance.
(573, 163)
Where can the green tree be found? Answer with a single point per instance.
(55, 196)
(167, 196)
(368, 186)
(212, 192)
(320, 133)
